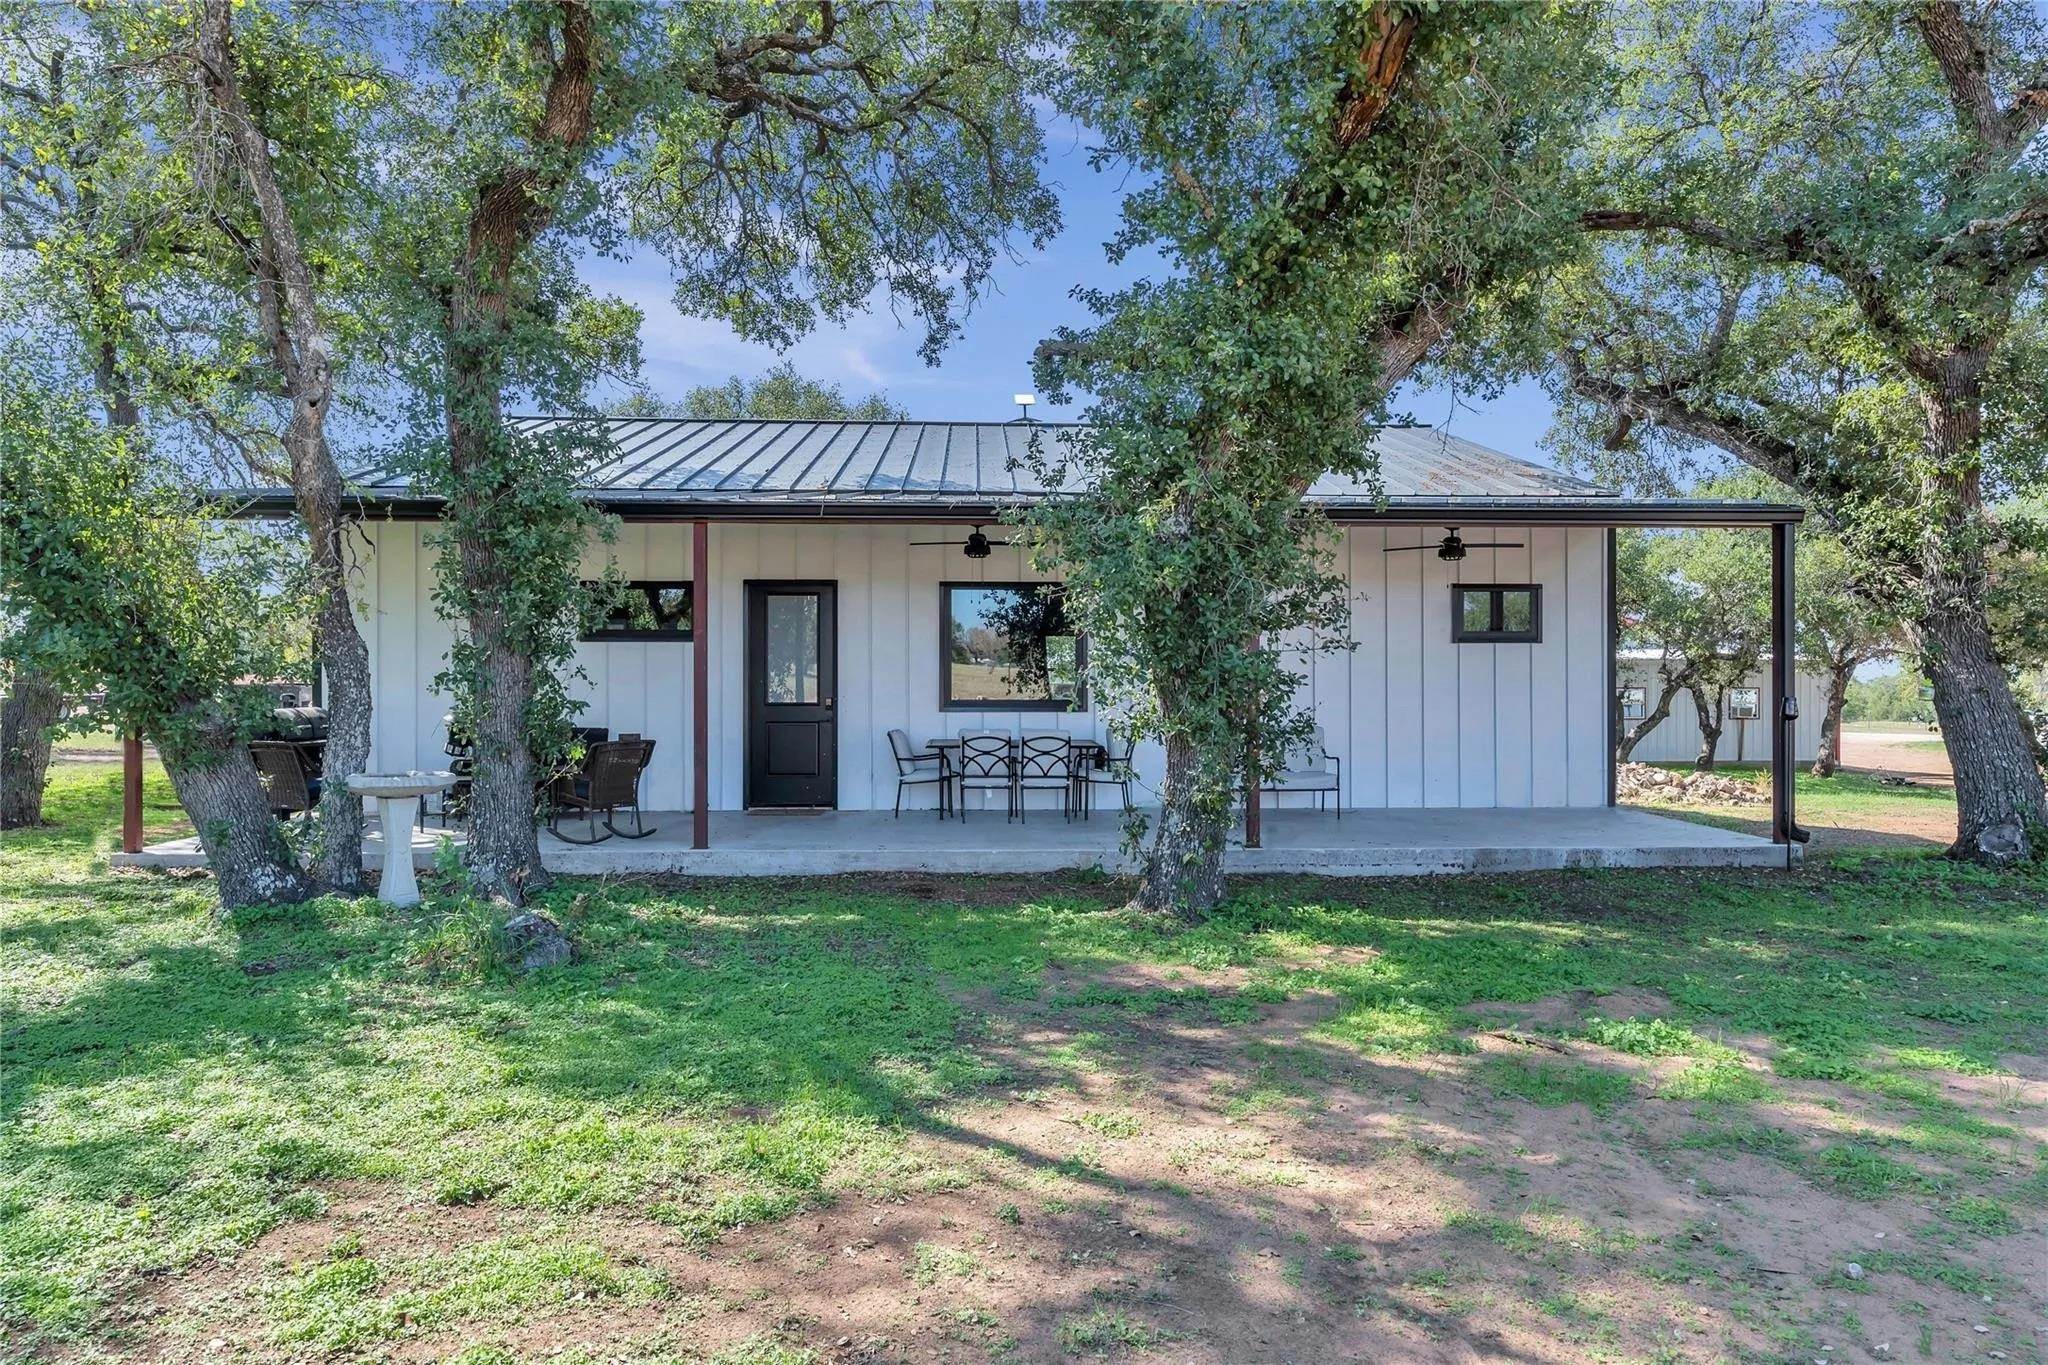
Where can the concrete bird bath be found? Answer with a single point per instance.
(398, 796)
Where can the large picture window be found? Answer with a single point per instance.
(645, 609)
(1007, 647)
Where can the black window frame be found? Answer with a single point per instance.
(1642, 700)
(683, 636)
(947, 702)
(1756, 706)
(1495, 635)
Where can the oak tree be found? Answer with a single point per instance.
(790, 161)
(1330, 189)
(1819, 248)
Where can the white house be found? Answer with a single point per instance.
(1746, 733)
(804, 587)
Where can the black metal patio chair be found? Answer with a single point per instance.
(985, 765)
(1115, 771)
(916, 768)
(1045, 762)
(286, 784)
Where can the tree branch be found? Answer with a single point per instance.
(1965, 69)
(1796, 244)
(1370, 87)
(1664, 407)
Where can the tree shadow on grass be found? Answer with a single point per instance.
(719, 1051)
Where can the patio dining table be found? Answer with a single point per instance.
(1088, 751)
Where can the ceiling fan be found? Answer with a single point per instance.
(1452, 549)
(976, 546)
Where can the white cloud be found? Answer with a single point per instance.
(858, 363)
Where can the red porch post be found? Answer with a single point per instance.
(700, 685)
(131, 794)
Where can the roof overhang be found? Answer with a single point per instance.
(270, 503)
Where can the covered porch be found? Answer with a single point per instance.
(1365, 843)
(810, 592)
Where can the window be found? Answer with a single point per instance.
(1007, 647)
(1742, 703)
(790, 649)
(1633, 700)
(1496, 613)
(645, 609)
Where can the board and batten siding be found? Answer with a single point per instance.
(1422, 721)
(1417, 719)
(1676, 738)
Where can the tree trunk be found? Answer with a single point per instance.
(31, 708)
(289, 310)
(512, 208)
(1709, 714)
(1651, 719)
(2000, 806)
(345, 659)
(219, 788)
(1829, 759)
(2000, 802)
(1183, 872)
(503, 853)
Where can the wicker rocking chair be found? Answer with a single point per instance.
(285, 784)
(609, 783)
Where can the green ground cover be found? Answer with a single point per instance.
(178, 1083)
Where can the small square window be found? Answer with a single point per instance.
(1634, 700)
(1496, 613)
(645, 609)
(1742, 703)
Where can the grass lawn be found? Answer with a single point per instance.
(1627, 1116)
(1846, 811)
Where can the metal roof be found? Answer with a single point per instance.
(754, 460)
(668, 468)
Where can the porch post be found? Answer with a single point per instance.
(700, 685)
(131, 793)
(1252, 833)
(1784, 695)
(1613, 654)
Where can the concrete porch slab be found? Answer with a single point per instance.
(1365, 843)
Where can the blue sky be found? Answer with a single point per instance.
(991, 360)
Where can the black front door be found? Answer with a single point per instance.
(792, 690)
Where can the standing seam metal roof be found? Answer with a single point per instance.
(750, 460)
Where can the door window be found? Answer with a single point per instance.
(791, 666)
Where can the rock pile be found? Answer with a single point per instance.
(1644, 782)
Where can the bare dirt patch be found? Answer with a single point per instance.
(1922, 758)
(1163, 1178)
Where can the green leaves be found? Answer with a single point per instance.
(1330, 187)
(795, 161)
(122, 583)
